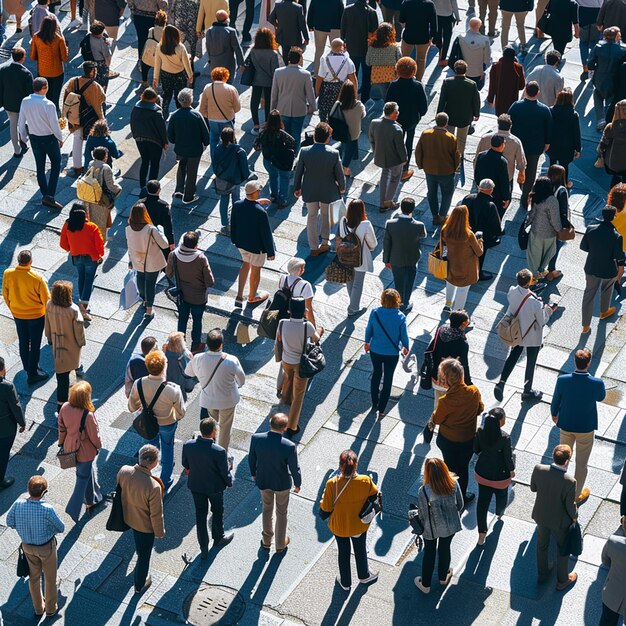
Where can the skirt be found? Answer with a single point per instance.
(329, 91)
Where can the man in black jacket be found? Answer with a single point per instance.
(288, 20)
(11, 416)
(492, 164)
(16, 83)
(159, 212)
(419, 19)
(604, 264)
(208, 476)
(324, 20)
(233, 9)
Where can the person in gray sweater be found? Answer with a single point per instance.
(222, 45)
(548, 77)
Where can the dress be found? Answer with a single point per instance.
(183, 14)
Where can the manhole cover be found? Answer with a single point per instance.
(211, 605)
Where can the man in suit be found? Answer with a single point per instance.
(222, 46)
(16, 83)
(293, 95)
(159, 212)
(273, 463)
(288, 20)
(402, 250)
(492, 164)
(11, 416)
(320, 180)
(554, 512)
(208, 476)
(614, 592)
(387, 141)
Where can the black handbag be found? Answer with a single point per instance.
(337, 121)
(428, 432)
(574, 542)
(427, 370)
(116, 522)
(523, 235)
(312, 359)
(371, 508)
(23, 569)
(247, 76)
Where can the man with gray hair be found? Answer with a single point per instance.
(222, 45)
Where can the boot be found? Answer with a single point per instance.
(196, 348)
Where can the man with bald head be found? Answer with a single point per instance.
(334, 68)
(222, 45)
(476, 51)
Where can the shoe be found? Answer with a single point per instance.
(586, 330)
(192, 200)
(53, 613)
(246, 37)
(538, 287)
(498, 391)
(389, 205)
(448, 577)
(265, 546)
(438, 220)
(147, 317)
(204, 555)
(225, 230)
(79, 371)
(469, 498)
(145, 587)
(112, 75)
(533, 395)
(178, 194)
(259, 296)
(494, 34)
(584, 76)
(447, 308)
(197, 348)
(17, 156)
(442, 62)
(224, 541)
(7, 482)
(51, 203)
(623, 523)
(279, 550)
(408, 309)
(39, 377)
(372, 578)
(584, 494)
(481, 539)
(74, 172)
(571, 579)
(238, 303)
(76, 23)
(485, 276)
(418, 584)
(84, 312)
(406, 175)
(605, 314)
(338, 581)
(380, 415)
(323, 249)
(553, 275)
(255, 131)
(290, 432)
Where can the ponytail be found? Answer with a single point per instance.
(348, 463)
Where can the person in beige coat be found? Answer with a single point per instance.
(142, 503)
(65, 332)
(145, 245)
(206, 14)
(100, 213)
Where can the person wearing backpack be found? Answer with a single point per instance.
(353, 111)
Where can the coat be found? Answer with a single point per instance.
(250, 227)
(555, 505)
(85, 444)
(506, 80)
(460, 99)
(550, 80)
(208, 466)
(495, 460)
(65, 331)
(159, 212)
(16, 83)
(358, 21)
(194, 273)
(403, 236)
(513, 150)
(273, 461)
(147, 123)
(144, 248)
(319, 174)
(142, 500)
(265, 62)
(603, 245)
(614, 557)
(387, 141)
(287, 18)
(566, 138)
(462, 259)
(11, 412)
(545, 218)
(443, 517)
(410, 96)
(613, 146)
(292, 91)
(325, 15)
(492, 164)
(533, 316)
(575, 401)
(188, 131)
(605, 59)
(483, 217)
(223, 47)
(206, 13)
(564, 13)
(436, 152)
(169, 407)
(420, 21)
(457, 411)
(532, 124)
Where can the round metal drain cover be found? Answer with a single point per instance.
(211, 605)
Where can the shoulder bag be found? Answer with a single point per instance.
(312, 360)
(67, 460)
(325, 515)
(116, 522)
(222, 359)
(371, 508)
(427, 372)
(417, 523)
(247, 76)
(217, 104)
(145, 421)
(437, 263)
(524, 230)
(397, 345)
(337, 121)
(509, 328)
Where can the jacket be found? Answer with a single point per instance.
(16, 83)
(436, 152)
(219, 391)
(533, 315)
(87, 241)
(172, 63)
(85, 444)
(513, 150)
(495, 460)
(325, 15)
(94, 95)
(564, 13)
(273, 461)
(49, 56)
(393, 321)
(104, 175)
(25, 292)
(159, 212)
(383, 57)
(353, 117)
(65, 332)
(11, 413)
(613, 146)
(387, 141)
(208, 466)
(265, 62)
(359, 20)
(566, 141)
(420, 22)
(194, 273)
(575, 401)
(108, 11)
(250, 228)
(175, 370)
(169, 407)
(550, 83)
(219, 102)
(483, 217)
(545, 219)
(292, 91)
(275, 148)
(614, 591)
(604, 248)
(555, 504)
(457, 411)
(101, 142)
(188, 132)
(223, 47)
(492, 164)
(402, 243)
(287, 18)
(410, 96)
(460, 99)
(462, 259)
(144, 248)
(230, 163)
(532, 123)
(451, 342)
(207, 11)
(517, 6)
(319, 174)
(476, 51)
(613, 13)
(443, 517)
(506, 80)
(147, 123)
(142, 500)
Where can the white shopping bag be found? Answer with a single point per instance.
(337, 210)
(129, 295)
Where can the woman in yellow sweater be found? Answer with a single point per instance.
(343, 499)
(617, 198)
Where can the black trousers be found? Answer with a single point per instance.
(609, 617)
(432, 547)
(186, 176)
(409, 135)
(150, 161)
(532, 162)
(457, 455)
(482, 506)
(233, 8)
(55, 84)
(63, 387)
(255, 100)
(360, 556)
(384, 367)
(532, 352)
(29, 333)
(5, 450)
(444, 34)
(201, 502)
(143, 545)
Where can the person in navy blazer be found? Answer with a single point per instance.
(274, 464)
(209, 475)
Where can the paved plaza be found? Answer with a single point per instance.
(493, 585)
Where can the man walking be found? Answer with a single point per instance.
(38, 123)
(324, 20)
(287, 18)
(476, 48)
(26, 294)
(233, 6)
(575, 411)
(387, 141)
(274, 465)
(320, 180)
(208, 477)
(492, 164)
(222, 45)
(402, 250)
(159, 212)
(136, 367)
(614, 592)
(548, 78)
(554, 512)
(11, 416)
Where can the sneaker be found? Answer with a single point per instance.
(533, 395)
(338, 581)
(38, 377)
(145, 587)
(178, 194)
(584, 494)
(224, 541)
(372, 578)
(191, 200)
(605, 314)
(418, 584)
(76, 23)
(255, 131)
(112, 75)
(51, 203)
(447, 308)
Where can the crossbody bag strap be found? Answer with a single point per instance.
(332, 71)
(305, 337)
(217, 104)
(430, 519)
(147, 247)
(175, 264)
(222, 359)
(338, 495)
(519, 308)
(385, 331)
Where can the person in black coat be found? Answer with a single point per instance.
(159, 212)
(566, 144)
(11, 416)
(287, 18)
(563, 16)
(451, 342)
(492, 164)
(208, 477)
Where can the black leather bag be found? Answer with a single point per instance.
(427, 371)
(337, 121)
(312, 360)
(116, 522)
(249, 71)
(428, 433)
(23, 569)
(574, 543)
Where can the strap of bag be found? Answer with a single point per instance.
(222, 359)
(217, 104)
(348, 231)
(434, 342)
(385, 331)
(430, 519)
(147, 248)
(84, 88)
(83, 419)
(305, 337)
(338, 495)
(519, 308)
(142, 398)
(175, 264)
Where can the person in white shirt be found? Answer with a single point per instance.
(476, 51)
(335, 68)
(220, 375)
(39, 123)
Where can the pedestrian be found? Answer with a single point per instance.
(26, 294)
(83, 240)
(556, 173)
(145, 243)
(11, 420)
(613, 597)
(168, 409)
(184, 14)
(589, 34)
(603, 266)
(533, 315)
(383, 53)
(353, 112)
(273, 461)
(506, 80)
(320, 181)
(563, 19)
(206, 10)
(178, 357)
(16, 83)
(548, 77)
(251, 233)
(37, 523)
(142, 504)
(101, 53)
(612, 13)
(447, 18)
(136, 367)
(37, 15)
(335, 68)
(222, 45)
(148, 129)
(610, 148)
(566, 141)
(188, 131)
(386, 336)
(191, 269)
(100, 136)
(554, 512)
(287, 17)
(343, 518)
(159, 212)
(148, 59)
(109, 13)
(441, 487)
(402, 250)
(464, 249)
(324, 19)
(208, 476)
(419, 21)
(495, 468)
(617, 199)
(143, 14)
(38, 123)
(391, 12)
(233, 9)
(517, 9)
(476, 47)
(493, 165)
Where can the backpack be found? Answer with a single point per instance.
(509, 328)
(337, 121)
(88, 187)
(144, 421)
(277, 309)
(350, 249)
(85, 48)
(76, 109)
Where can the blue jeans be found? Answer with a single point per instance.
(349, 151)
(365, 82)
(404, 278)
(433, 184)
(144, 543)
(165, 442)
(293, 126)
(29, 333)
(196, 311)
(86, 489)
(235, 194)
(589, 37)
(43, 147)
(215, 128)
(86, 268)
(279, 181)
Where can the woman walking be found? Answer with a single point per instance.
(345, 494)
(386, 336)
(383, 52)
(563, 19)
(143, 13)
(178, 357)
(556, 173)
(184, 14)
(612, 146)
(79, 432)
(353, 111)
(447, 16)
(148, 58)
(565, 145)
(100, 136)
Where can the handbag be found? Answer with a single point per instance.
(337, 121)
(427, 370)
(338, 273)
(383, 74)
(67, 460)
(129, 295)
(247, 76)
(371, 508)
(312, 359)
(456, 54)
(574, 541)
(175, 294)
(116, 522)
(524, 231)
(437, 263)
(23, 569)
(417, 524)
(428, 432)
(566, 234)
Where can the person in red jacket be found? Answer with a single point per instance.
(506, 80)
(83, 240)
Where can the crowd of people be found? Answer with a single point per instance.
(360, 64)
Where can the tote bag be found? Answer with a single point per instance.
(437, 263)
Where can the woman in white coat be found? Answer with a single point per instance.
(356, 220)
(145, 244)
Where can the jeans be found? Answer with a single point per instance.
(434, 183)
(86, 268)
(365, 82)
(233, 6)
(279, 181)
(201, 503)
(293, 126)
(404, 279)
(355, 290)
(215, 129)
(432, 547)
(86, 489)
(63, 387)
(165, 442)
(349, 151)
(359, 545)
(409, 135)
(196, 311)
(255, 101)
(5, 451)
(589, 37)
(532, 352)
(186, 177)
(609, 617)
(386, 363)
(143, 546)
(457, 455)
(150, 161)
(47, 146)
(29, 333)
(389, 181)
(456, 296)
(146, 286)
(234, 194)
(482, 506)
(600, 104)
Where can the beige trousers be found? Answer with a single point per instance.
(294, 389)
(224, 417)
(584, 444)
(520, 18)
(42, 559)
(461, 137)
(320, 37)
(492, 5)
(421, 52)
(280, 500)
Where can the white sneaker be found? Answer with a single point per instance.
(418, 584)
(338, 579)
(372, 578)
